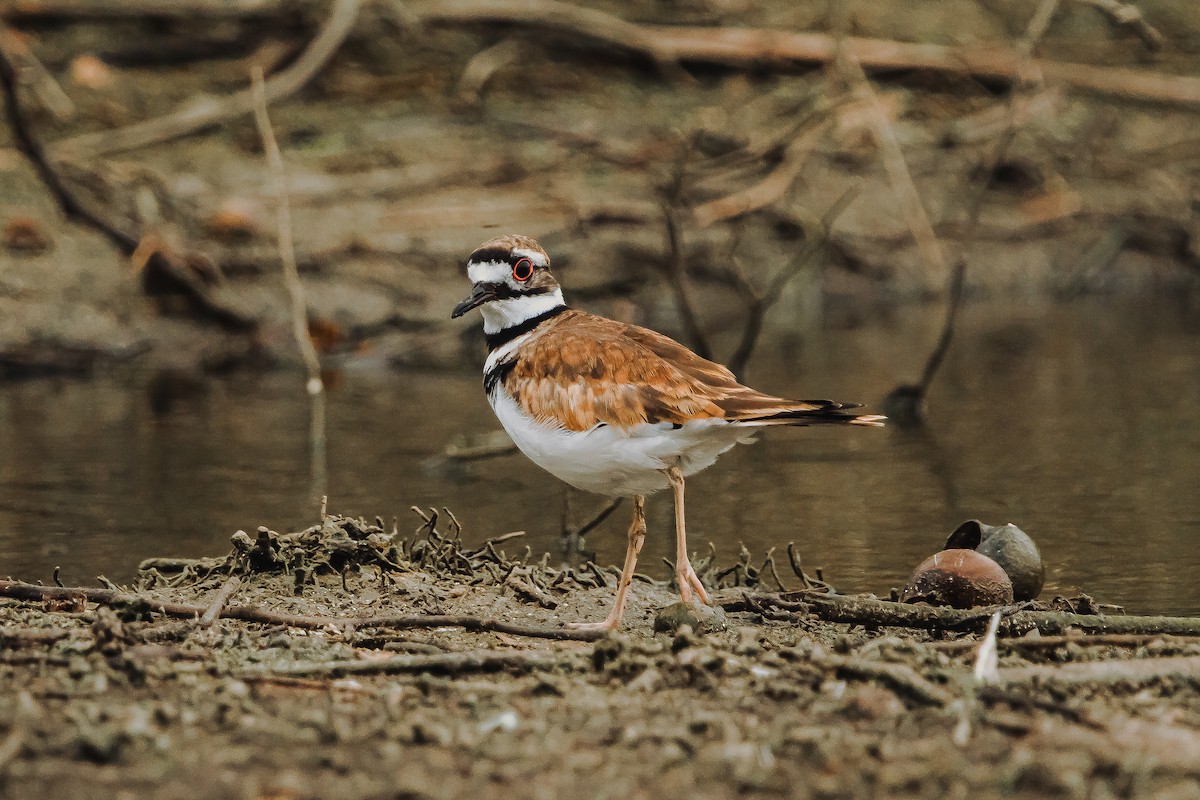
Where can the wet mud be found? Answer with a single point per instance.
(349, 660)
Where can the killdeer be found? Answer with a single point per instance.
(609, 407)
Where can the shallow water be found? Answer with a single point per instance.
(1080, 423)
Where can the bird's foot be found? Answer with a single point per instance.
(606, 626)
(688, 582)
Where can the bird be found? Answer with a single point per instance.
(611, 407)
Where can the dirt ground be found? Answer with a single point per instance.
(117, 699)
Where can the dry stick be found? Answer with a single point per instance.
(882, 613)
(1128, 15)
(452, 663)
(482, 67)
(218, 604)
(756, 47)
(291, 278)
(109, 597)
(283, 224)
(53, 98)
(201, 112)
(76, 210)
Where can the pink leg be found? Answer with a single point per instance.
(685, 576)
(637, 535)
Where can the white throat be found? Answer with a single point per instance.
(501, 314)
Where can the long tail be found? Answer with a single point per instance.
(816, 412)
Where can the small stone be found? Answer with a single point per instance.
(701, 618)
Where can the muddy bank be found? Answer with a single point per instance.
(418, 137)
(267, 689)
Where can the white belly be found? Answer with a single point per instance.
(612, 461)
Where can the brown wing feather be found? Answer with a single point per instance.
(583, 370)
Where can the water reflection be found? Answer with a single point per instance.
(1079, 423)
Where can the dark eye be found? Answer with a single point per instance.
(523, 270)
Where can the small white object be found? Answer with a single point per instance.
(504, 721)
(987, 662)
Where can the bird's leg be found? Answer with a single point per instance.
(685, 576)
(637, 535)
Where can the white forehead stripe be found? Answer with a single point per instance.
(488, 271)
(537, 258)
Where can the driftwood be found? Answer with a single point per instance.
(757, 47)
(1014, 620)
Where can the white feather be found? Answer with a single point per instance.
(614, 461)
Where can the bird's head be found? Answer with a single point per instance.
(511, 282)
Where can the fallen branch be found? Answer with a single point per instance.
(756, 47)
(113, 597)
(1013, 622)
(218, 604)
(201, 112)
(445, 663)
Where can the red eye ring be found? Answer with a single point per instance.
(522, 270)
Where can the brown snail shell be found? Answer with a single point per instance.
(960, 579)
(1008, 546)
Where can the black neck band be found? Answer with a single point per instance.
(506, 335)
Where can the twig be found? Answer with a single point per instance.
(482, 68)
(111, 597)
(604, 514)
(451, 663)
(1127, 15)
(231, 585)
(200, 113)
(287, 250)
(315, 386)
(53, 98)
